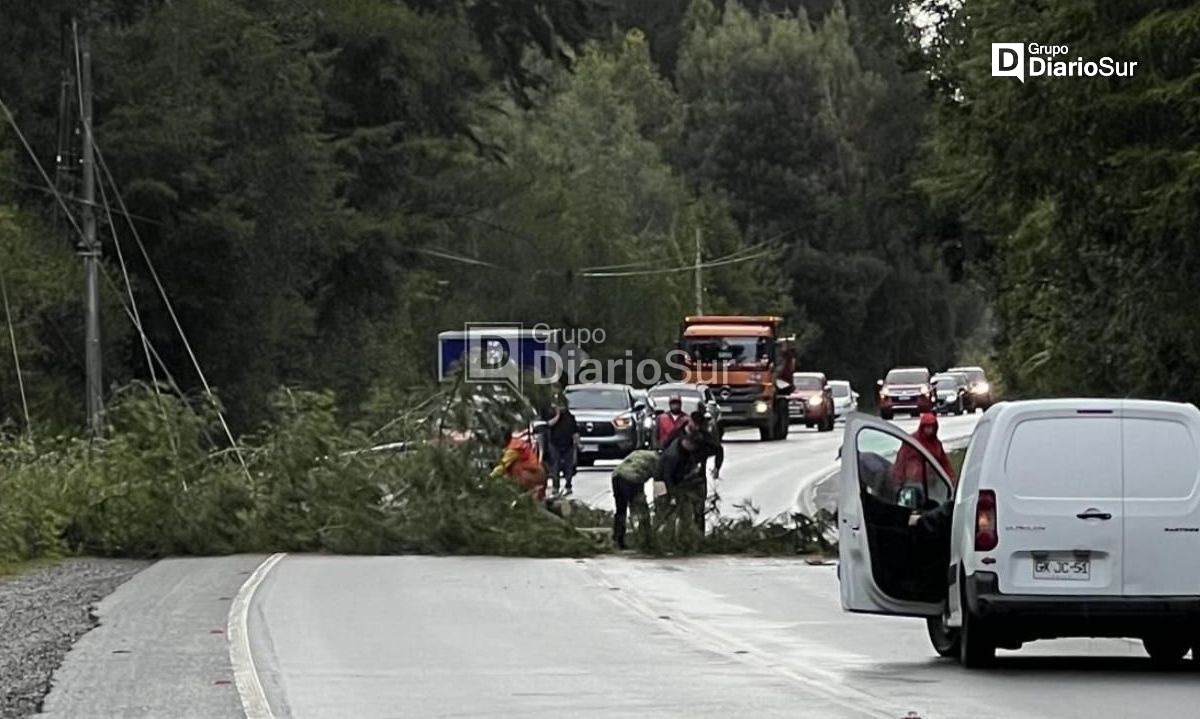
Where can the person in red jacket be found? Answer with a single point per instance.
(522, 465)
(909, 467)
(671, 421)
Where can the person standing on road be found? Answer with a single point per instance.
(909, 467)
(562, 444)
(629, 492)
(671, 422)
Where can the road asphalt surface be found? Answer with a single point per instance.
(770, 475)
(617, 636)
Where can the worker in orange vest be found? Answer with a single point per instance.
(522, 465)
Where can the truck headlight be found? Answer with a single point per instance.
(981, 388)
(816, 401)
(621, 421)
(760, 407)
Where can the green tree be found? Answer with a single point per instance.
(1085, 189)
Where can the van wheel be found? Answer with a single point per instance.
(977, 647)
(765, 433)
(885, 415)
(1166, 651)
(945, 639)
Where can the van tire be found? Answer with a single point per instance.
(977, 648)
(945, 639)
(1166, 651)
(885, 415)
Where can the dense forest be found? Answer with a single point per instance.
(323, 185)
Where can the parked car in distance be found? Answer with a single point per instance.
(978, 388)
(811, 401)
(845, 399)
(905, 389)
(694, 396)
(1071, 518)
(609, 420)
(950, 389)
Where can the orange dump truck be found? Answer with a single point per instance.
(747, 364)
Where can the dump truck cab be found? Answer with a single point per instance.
(748, 366)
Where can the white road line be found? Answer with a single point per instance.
(245, 674)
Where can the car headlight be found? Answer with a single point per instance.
(760, 407)
(981, 388)
(925, 389)
(816, 401)
(621, 421)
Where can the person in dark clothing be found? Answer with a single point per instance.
(562, 441)
(682, 467)
(629, 492)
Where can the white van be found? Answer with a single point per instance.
(1071, 518)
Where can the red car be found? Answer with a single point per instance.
(811, 401)
(906, 389)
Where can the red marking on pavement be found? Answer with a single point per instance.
(221, 682)
(216, 631)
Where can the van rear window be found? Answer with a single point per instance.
(1065, 457)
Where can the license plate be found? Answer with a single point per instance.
(724, 408)
(1068, 569)
(591, 447)
(904, 397)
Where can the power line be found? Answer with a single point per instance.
(455, 258)
(681, 268)
(171, 310)
(12, 338)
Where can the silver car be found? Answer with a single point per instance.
(609, 419)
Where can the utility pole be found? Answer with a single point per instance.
(699, 284)
(89, 248)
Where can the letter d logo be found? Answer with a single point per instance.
(1008, 60)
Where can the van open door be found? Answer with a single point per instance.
(887, 564)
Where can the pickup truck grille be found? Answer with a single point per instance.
(596, 429)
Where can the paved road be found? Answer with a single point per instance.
(621, 637)
(769, 475)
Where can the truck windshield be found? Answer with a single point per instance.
(597, 399)
(729, 350)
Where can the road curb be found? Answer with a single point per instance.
(245, 674)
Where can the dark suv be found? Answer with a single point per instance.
(905, 389)
(979, 392)
(609, 418)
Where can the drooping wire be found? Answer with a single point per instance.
(12, 338)
(162, 291)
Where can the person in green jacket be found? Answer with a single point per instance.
(629, 490)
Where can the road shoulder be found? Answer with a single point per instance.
(43, 610)
(161, 647)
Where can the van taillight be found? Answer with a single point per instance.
(986, 533)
